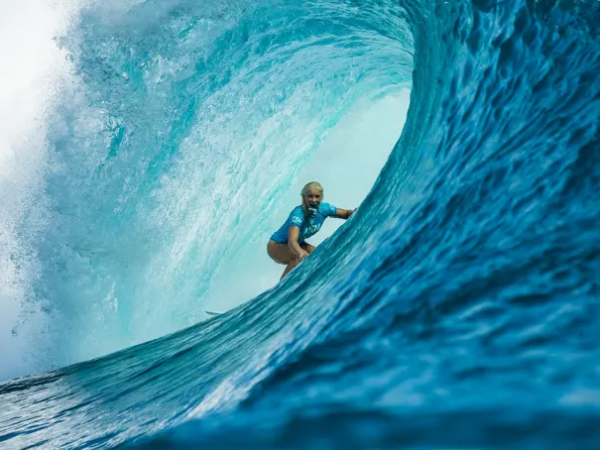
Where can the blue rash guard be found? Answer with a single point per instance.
(307, 229)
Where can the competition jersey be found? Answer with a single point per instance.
(307, 228)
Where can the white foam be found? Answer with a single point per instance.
(32, 65)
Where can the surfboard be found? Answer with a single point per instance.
(212, 313)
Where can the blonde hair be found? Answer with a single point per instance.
(307, 187)
(312, 185)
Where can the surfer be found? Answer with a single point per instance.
(288, 245)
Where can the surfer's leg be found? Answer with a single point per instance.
(280, 253)
(290, 266)
(309, 248)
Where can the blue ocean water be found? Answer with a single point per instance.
(458, 308)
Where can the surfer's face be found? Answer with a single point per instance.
(313, 198)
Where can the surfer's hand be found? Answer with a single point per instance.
(303, 254)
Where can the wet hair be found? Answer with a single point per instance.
(307, 187)
(312, 185)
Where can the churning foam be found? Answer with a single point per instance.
(32, 67)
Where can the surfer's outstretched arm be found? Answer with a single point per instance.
(344, 213)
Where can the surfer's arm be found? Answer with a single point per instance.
(330, 210)
(344, 213)
(293, 242)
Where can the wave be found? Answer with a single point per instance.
(163, 141)
(458, 307)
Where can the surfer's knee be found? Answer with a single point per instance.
(309, 248)
(293, 262)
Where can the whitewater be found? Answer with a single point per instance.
(148, 149)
